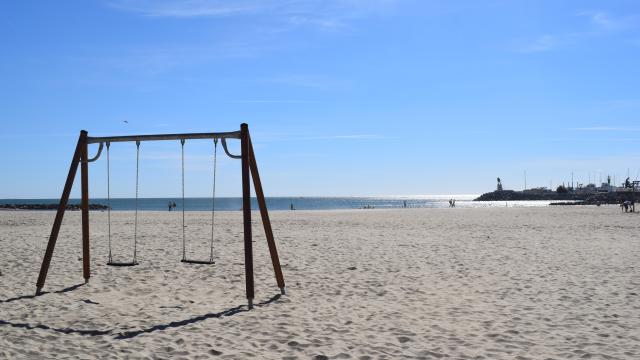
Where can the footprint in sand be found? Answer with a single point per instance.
(404, 339)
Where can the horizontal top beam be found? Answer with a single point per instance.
(219, 135)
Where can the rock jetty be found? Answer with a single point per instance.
(511, 195)
(48, 207)
(617, 197)
(609, 198)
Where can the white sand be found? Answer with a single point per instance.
(517, 283)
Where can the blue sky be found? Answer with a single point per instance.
(350, 97)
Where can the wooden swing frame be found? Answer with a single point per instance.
(249, 170)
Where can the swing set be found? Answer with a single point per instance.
(249, 170)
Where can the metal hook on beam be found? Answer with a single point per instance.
(97, 155)
(224, 146)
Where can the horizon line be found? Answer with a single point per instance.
(268, 197)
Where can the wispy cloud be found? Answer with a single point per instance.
(258, 31)
(355, 136)
(594, 140)
(541, 44)
(624, 103)
(603, 20)
(40, 135)
(607, 128)
(599, 23)
(336, 137)
(270, 101)
(312, 81)
(189, 8)
(328, 14)
(157, 60)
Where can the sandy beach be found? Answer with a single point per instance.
(503, 283)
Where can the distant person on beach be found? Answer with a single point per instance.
(404, 205)
(450, 202)
(170, 205)
(174, 205)
(292, 208)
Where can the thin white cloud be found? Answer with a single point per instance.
(604, 21)
(158, 60)
(267, 19)
(36, 135)
(328, 14)
(594, 140)
(607, 128)
(189, 8)
(356, 136)
(600, 23)
(624, 103)
(541, 44)
(274, 137)
(270, 101)
(312, 81)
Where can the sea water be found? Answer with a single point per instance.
(298, 203)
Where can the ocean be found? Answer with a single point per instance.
(299, 203)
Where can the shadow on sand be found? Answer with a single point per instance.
(62, 330)
(25, 297)
(134, 333)
(174, 324)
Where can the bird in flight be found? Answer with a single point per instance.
(126, 121)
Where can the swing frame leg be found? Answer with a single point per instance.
(246, 213)
(84, 181)
(79, 155)
(266, 222)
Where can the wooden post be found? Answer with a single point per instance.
(62, 206)
(266, 222)
(246, 211)
(84, 181)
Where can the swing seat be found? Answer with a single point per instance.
(201, 262)
(122, 263)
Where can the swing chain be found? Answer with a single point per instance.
(213, 204)
(184, 248)
(213, 195)
(135, 226)
(108, 143)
